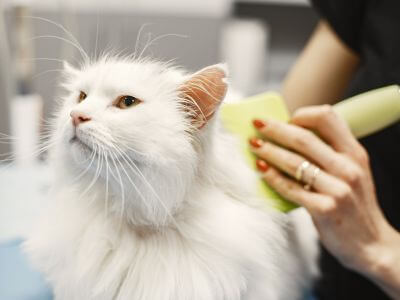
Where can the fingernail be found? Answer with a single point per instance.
(255, 142)
(259, 124)
(262, 165)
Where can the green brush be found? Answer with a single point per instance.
(365, 113)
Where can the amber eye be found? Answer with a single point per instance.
(82, 96)
(127, 101)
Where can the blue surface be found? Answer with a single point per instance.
(310, 297)
(18, 281)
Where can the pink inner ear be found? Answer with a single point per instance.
(204, 91)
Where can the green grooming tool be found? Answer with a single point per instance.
(365, 113)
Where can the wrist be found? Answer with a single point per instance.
(383, 261)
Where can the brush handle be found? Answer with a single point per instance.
(372, 111)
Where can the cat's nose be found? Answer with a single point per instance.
(79, 117)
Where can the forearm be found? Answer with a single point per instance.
(322, 72)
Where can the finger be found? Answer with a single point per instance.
(306, 143)
(289, 162)
(293, 191)
(332, 128)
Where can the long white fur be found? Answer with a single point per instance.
(157, 210)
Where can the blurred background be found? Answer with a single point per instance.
(259, 39)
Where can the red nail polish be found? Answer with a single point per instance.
(255, 142)
(259, 124)
(262, 165)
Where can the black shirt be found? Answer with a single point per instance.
(371, 28)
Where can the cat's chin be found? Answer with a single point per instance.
(80, 151)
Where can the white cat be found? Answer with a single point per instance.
(152, 199)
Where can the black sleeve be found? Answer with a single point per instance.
(345, 17)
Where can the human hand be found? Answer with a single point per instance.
(342, 200)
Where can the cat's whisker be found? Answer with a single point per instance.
(118, 137)
(106, 200)
(145, 46)
(6, 136)
(101, 162)
(123, 155)
(142, 27)
(95, 177)
(91, 158)
(113, 175)
(12, 156)
(44, 59)
(43, 139)
(7, 142)
(131, 181)
(133, 184)
(122, 189)
(45, 72)
(149, 208)
(98, 171)
(170, 62)
(129, 178)
(11, 159)
(109, 140)
(97, 36)
(67, 32)
(83, 53)
(121, 139)
(151, 42)
(3, 134)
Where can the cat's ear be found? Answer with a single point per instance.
(203, 92)
(69, 70)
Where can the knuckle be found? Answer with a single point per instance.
(272, 178)
(292, 192)
(354, 176)
(299, 112)
(331, 163)
(292, 163)
(328, 207)
(326, 113)
(327, 110)
(343, 194)
(291, 188)
(362, 156)
(302, 140)
(262, 151)
(281, 184)
(278, 182)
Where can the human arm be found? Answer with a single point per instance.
(322, 72)
(342, 202)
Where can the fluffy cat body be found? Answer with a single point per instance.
(155, 201)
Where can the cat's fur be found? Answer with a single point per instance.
(167, 208)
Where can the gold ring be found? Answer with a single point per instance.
(314, 175)
(300, 170)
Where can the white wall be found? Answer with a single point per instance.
(209, 8)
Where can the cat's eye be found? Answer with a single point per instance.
(127, 101)
(82, 96)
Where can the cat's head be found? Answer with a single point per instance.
(135, 129)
